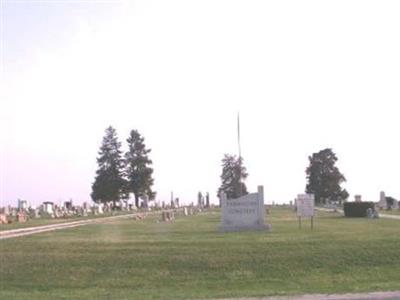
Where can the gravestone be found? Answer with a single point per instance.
(244, 213)
(22, 204)
(357, 198)
(185, 211)
(207, 200)
(167, 216)
(372, 213)
(3, 219)
(48, 207)
(145, 201)
(396, 204)
(382, 200)
(7, 210)
(22, 217)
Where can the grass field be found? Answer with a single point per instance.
(188, 259)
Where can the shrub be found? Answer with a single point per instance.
(357, 209)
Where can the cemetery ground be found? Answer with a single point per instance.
(48, 221)
(189, 259)
(395, 212)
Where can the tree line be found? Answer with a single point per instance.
(323, 177)
(118, 175)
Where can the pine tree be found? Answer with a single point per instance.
(232, 177)
(137, 168)
(324, 178)
(108, 184)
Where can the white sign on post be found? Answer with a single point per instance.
(305, 207)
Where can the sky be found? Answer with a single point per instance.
(304, 75)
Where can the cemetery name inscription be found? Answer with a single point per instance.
(244, 213)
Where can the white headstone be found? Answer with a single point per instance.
(382, 200)
(357, 198)
(244, 213)
(48, 207)
(396, 204)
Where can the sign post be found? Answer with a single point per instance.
(305, 208)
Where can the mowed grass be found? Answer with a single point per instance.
(189, 259)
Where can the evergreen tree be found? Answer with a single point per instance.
(108, 183)
(199, 199)
(137, 168)
(232, 177)
(324, 178)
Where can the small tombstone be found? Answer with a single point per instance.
(145, 201)
(164, 216)
(13, 212)
(21, 217)
(22, 204)
(207, 200)
(7, 210)
(86, 206)
(185, 211)
(357, 198)
(3, 219)
(48, 207)
(68, 205)
(372, 213)
(382, 200)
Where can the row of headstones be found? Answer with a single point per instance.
(384, 202)
(48, 209)
(169, 215)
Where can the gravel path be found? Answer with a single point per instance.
(395, 295)
(340, 211)
(13, 233)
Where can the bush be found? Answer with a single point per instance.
(357, 209)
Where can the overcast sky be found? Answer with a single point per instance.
(305, 75)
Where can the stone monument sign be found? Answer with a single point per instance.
(244, 213)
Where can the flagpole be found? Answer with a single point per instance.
(240, 155)
(238, 129)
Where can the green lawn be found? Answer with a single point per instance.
(188, 259)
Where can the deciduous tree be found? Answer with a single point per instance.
(324, 178)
